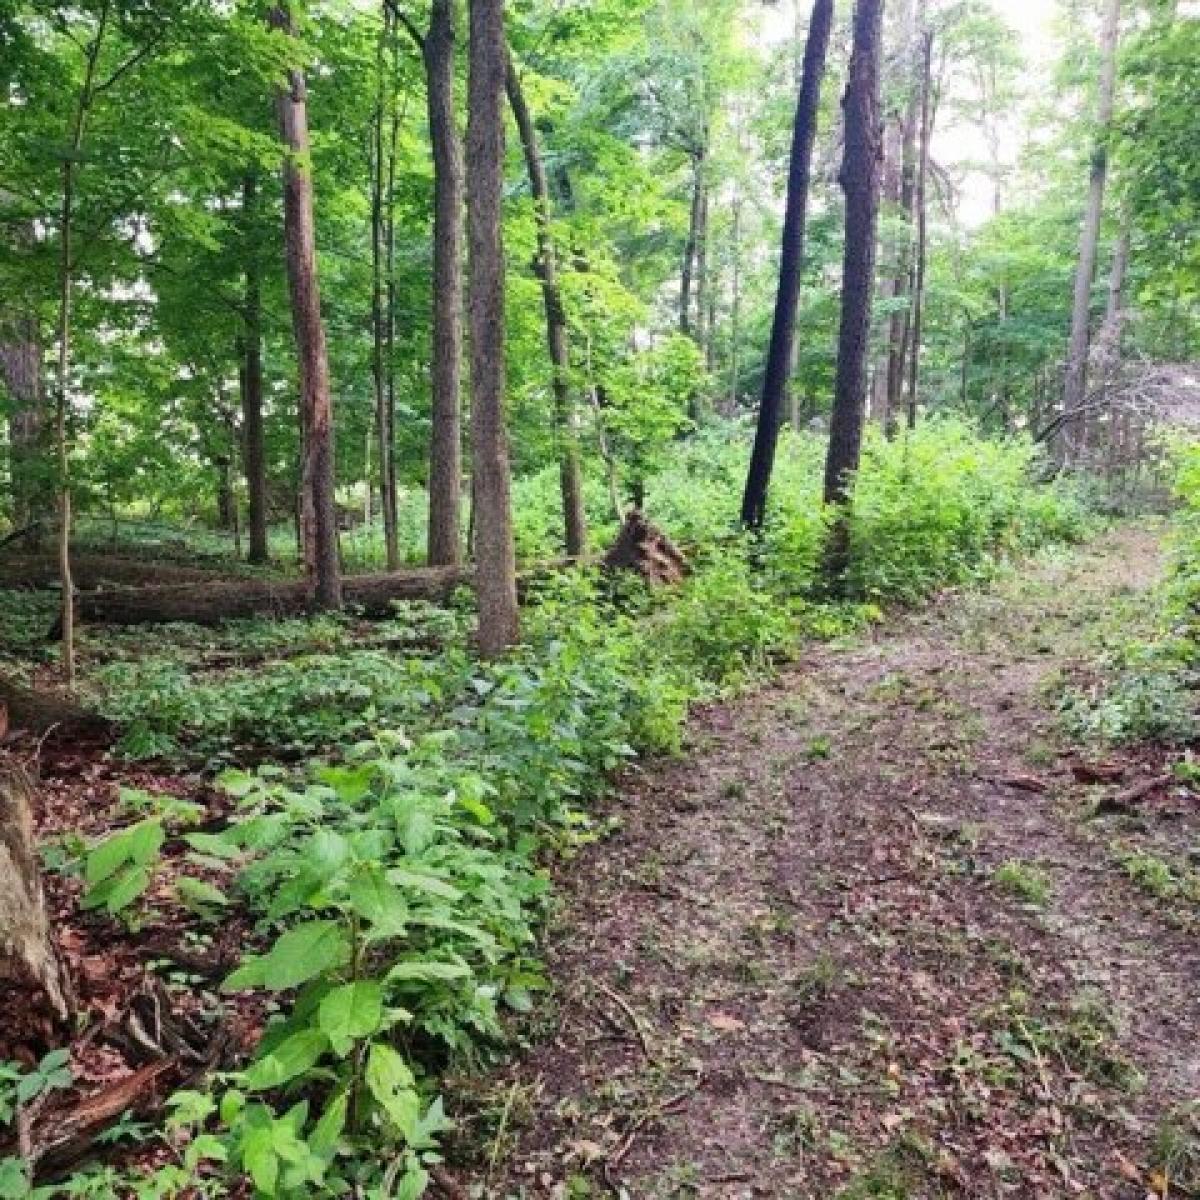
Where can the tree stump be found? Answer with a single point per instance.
(645, 549)
(28, 957)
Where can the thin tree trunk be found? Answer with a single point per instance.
(1073, 433)
(546, 268)
(735, 308)
(860, 182)
(499, 623)
(383, 425)
(254, 447)
(692, 245)
(66, 279)
(899, 325)
(791, 265)
(921, 205)
(445, 453)
(319, 510)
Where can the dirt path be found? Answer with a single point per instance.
(867, 939)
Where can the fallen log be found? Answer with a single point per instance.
(212, 603)
(40, 712)
(640, 547)
(28, 957)
(92, 571)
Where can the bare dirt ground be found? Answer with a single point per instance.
(877, 935)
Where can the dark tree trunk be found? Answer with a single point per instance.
(499, 624)
(319, 511)
(254, 448)
(383, 411)
(921, 204)
(546, 267)
(791, 265)
(860, 182)
(21, 378)
(445, 453)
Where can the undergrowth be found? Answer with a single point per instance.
(397, 879)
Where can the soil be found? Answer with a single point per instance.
(876, 934)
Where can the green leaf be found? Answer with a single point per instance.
(293, 1056)
(198, 894)
(324, 1138)
(429, 884)
(427, 971)
(351, 1012)
(115, 893)
(138, 845)
(378, 901)
(299, 955)
(392, 1084)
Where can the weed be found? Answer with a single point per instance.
(1024, 881)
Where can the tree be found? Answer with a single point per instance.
(1075, 380)
(783, 327)
(546, 269)
(860, 182)
(495, 555)
(445, 448)
(250, 376)
(318, 507)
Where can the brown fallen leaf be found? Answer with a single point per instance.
(726, 1023)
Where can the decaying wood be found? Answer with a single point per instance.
(40, 712)
(212, 603)
(644, 548)
(28, 957)
(91, 571)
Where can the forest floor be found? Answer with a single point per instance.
(882, 931)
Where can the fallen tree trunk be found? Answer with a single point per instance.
(89, 571)
(212, 603)
(640, 547)
(40, 712)
(28, 958)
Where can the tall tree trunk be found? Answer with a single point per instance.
(791, 265)
(735, 307)
(254, 447)
(899, 325)
(499, 623)
(445, 453)
(546, 268)
(383, 415)
(860, 182)
(317, 486)
(692, 245)
(21, 377)
(66, 281)
(921, 205)
(1075, 381)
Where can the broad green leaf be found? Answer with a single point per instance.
(427, 971)
(293, 1056)
(379, 901)
(299, 955)
(351, 1012)
(392, 1084)
(138, 845)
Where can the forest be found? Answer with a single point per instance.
(599, 598)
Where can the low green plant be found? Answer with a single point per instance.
(1023, 880)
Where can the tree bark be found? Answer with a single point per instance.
(791, 265)
(445, 450)
(692, 245)
(27, 952)
(499, 623)
(40, 712)
(317, 486)
(860, 182)
(899, 326)
(254, 448)
(1075, 382)
(21, 377)
(546, 268)
(922, 215)
(383, 414)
